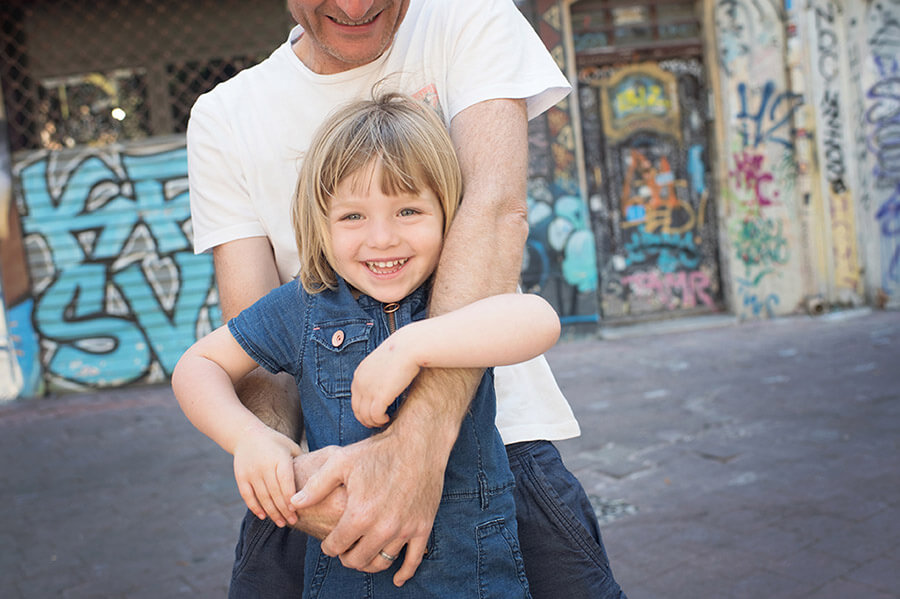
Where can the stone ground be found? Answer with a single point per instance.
(727, 461)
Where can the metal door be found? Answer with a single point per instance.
(647, 146)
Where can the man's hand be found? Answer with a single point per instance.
(319, 519)
(393, 484)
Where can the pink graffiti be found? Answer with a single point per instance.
(690, 287)
(749, 174)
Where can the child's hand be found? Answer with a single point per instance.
(264, 471)
(379, 379)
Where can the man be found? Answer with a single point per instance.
(483, 68)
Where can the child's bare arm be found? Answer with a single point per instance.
(203, 381)
(494, 331)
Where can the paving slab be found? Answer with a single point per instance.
(725, 460)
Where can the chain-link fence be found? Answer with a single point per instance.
(78, 73)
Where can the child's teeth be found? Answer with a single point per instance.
(387, 264)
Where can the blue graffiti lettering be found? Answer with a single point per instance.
(696, 169)
(888, 217)
(124, 293)
(671, 250)
(771, 121)
(94, 347)
(26, 342)
(169, 335)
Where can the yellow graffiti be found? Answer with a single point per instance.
(563, 158)
(845, 251)
(566, 138)
(663, 219)
(642, 97)
(553, 17)
(650, 98)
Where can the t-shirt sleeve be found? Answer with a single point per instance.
(272, 330)
(221, 210)
(496, 53)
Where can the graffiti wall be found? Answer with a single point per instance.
(101, 285)
(761, 211)
(828, 69)
(874, 55)
(11, 383)
(646, 153)
(116, 292)
(560, 255)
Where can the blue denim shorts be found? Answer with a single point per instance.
(558, 536)
(268, 561)
(558, 530)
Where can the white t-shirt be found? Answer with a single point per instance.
(246, 138)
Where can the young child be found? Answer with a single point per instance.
(377, 192)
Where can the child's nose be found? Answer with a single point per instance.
(382, 233)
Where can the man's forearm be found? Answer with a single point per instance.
(482, 253)
(440, 398)
(273, 399)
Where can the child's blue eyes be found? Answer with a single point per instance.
(402, 212)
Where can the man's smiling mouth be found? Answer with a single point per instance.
(355, 23)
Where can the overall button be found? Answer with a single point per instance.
(337, 338)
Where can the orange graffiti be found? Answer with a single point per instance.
(649, 197)
(556, 120)
(562, 157)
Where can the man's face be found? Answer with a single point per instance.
(343, 34)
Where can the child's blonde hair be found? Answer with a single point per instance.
(415, 152)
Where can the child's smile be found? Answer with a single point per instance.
(385, 246)
(386, 267)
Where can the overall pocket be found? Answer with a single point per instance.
(501, 570)
(340, 346)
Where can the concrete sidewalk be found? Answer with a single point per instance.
(753, 460)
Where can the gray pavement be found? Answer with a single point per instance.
(726, 460)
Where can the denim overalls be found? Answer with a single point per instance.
(321, 339)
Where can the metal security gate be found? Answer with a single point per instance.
(643, 102)
(102, 287)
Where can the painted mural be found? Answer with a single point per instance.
(117, 293)
(828, 72)
(11, 383)
(645, 145)
(560, 255)
(100, 287)
(881, 122)
(106, 288)
(760, 206)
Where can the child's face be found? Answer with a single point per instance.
(384, 246)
